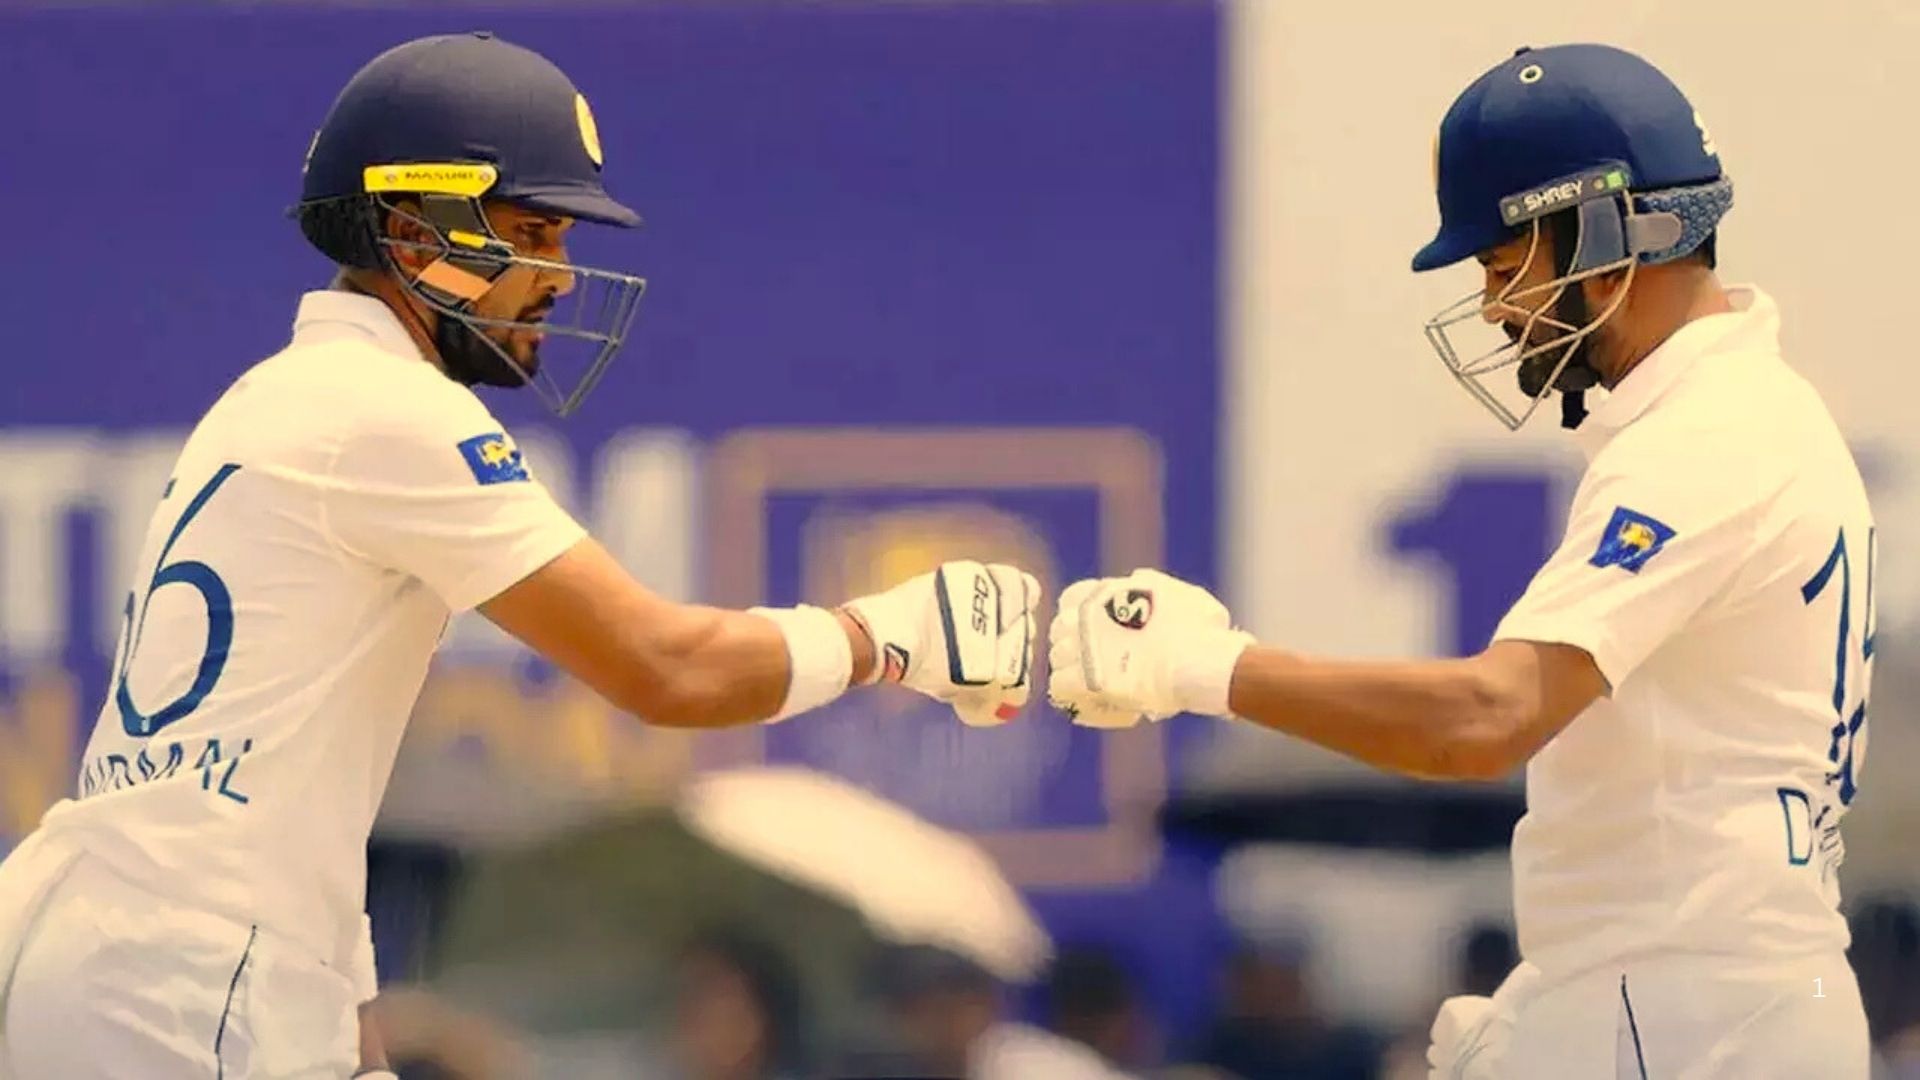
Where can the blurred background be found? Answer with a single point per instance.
(1085, 285)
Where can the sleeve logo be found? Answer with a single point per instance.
(1630, 540)
(494, 459)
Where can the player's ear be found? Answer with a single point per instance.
(402, 222)
(1603, 289)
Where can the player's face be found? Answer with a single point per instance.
(1512, 293)
(1516, 297)
(525, 293)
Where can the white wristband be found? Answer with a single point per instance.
(818, 652)
(1202, 674)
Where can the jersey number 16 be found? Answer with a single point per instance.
(213, 660)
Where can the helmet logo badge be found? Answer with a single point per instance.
(1706, 137)
(1531, 74)
(589, 131)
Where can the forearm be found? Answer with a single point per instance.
(673, 664)
(717, 668)
(1438, 719)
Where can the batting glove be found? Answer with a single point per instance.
(962, 634)
(1147, 644)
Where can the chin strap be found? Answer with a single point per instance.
(1573, 408)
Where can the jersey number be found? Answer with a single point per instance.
(1847, 750)
(219, 624)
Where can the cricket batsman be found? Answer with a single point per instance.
(1685, 680)
(196, 909)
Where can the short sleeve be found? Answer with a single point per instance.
(437, 489)
(1651, 539)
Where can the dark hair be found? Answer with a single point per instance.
(342, 230)
(1709, 250)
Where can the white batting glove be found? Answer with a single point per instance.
(1147, 644)
(962, 634)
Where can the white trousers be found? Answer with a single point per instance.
(115, 983)
(1690, 1017)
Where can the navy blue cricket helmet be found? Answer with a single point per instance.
(1590, 132)
(434, 129)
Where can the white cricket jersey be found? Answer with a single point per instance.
(324, 520)
(1718, 566)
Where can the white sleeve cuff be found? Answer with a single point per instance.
(1595, 641)
(819, 655)
(1202, 674)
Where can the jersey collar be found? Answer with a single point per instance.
(1753, 324)
(333, 309)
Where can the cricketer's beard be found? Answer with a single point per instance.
(1579, 373)
(474, 359)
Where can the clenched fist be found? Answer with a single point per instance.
(1147, 644)
(962, 634)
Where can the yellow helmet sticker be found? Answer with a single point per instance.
(589, 131)
(471, 181)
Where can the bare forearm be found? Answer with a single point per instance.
(1439, 719)
(677, 665)
(720, 668)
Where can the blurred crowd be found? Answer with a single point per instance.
(739, 1010)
